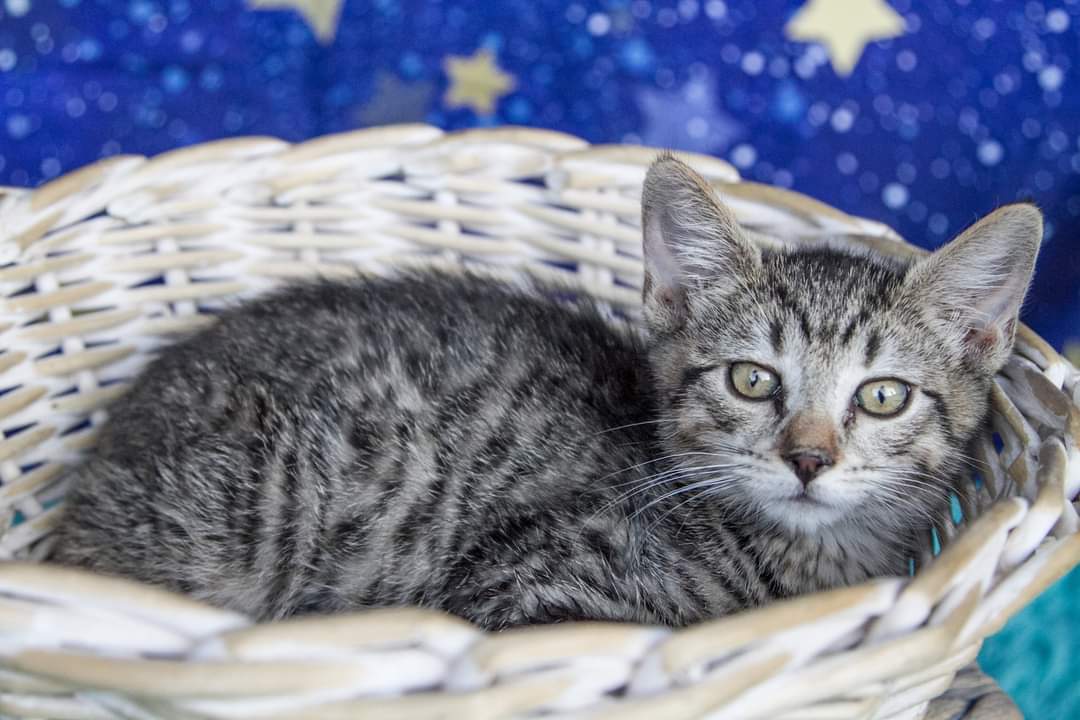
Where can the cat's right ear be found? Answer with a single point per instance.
(691, 240)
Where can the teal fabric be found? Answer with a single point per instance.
(1036, 657)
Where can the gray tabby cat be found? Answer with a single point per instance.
(793, 421)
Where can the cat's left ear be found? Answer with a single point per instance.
(977, 282)
(691, 241)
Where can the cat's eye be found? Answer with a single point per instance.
(883, 397)
(754, 381)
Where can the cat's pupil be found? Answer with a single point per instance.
(753, 378)
(881, 394)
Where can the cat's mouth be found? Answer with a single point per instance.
(805, 498)
(810, 497)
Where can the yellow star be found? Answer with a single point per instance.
(845, 28)
(476, 81)
(321, 15)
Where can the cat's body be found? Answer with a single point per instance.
(458, 443)
(430, 440)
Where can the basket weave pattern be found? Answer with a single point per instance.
(109, 264)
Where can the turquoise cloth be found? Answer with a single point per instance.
(1036, 657)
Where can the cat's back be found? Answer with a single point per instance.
(429, 333)
(416, 322)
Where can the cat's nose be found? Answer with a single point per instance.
(808, 464)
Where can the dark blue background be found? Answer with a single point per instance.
(976, 104)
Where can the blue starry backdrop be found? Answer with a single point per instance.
(921, 114)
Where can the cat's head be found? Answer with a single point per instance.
(815, 388)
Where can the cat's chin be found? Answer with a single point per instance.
(805, 513)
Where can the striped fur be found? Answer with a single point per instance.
(463, 444)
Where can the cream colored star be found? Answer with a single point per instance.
(321, 15)
(476, 81)
(845, 28)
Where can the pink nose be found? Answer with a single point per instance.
(807, 464)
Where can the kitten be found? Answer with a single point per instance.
(791, 421)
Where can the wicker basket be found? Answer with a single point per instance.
(109, 263)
